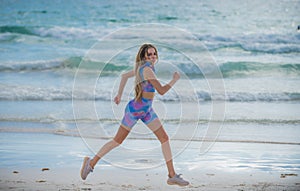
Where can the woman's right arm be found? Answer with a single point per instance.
(123, 82)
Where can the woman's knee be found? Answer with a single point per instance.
(163, 138)
(118, 140)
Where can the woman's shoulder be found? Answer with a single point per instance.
(148, 64)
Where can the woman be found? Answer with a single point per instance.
(141, 108)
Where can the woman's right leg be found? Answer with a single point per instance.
(116, 141)
(163, 137)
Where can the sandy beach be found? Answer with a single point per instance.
(120, 179)
(226, 166)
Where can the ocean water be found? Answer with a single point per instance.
(54, 80)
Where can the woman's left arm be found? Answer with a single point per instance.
(161, 89)
(123, 82)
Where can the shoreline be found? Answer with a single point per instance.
(28, 162)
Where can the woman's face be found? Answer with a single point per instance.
(151, 55)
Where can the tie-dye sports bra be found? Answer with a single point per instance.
(146, 85)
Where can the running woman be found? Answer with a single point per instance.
(140, 108)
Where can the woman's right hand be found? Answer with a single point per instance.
(117, 99)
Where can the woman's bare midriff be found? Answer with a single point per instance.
(148, 95)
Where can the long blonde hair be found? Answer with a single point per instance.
(139, 61)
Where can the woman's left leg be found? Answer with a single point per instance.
(116, 141)
(89, 164)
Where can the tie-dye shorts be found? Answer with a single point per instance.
(138, 110)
